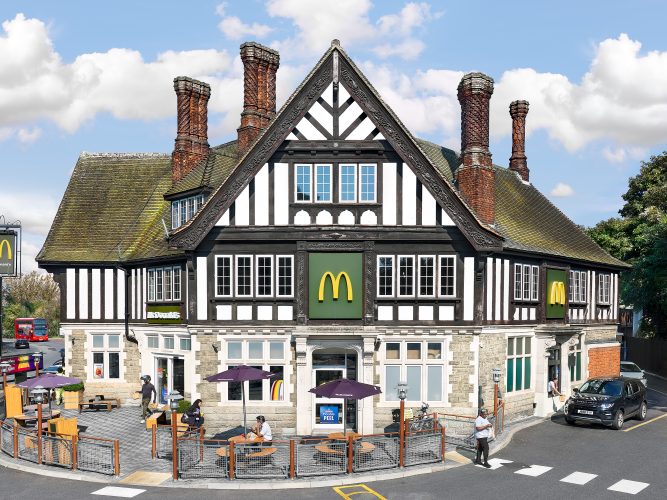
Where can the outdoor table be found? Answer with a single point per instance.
(347, 435)
(46, 415)
(243, 440)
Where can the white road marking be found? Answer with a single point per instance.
(579, 478)
(116, 491)
(496, 463)
(626, 486)
(534, 470)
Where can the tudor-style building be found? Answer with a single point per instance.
(327, 241)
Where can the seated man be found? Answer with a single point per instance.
(262, 430)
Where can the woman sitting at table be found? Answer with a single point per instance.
(262, 430)
(193, 416)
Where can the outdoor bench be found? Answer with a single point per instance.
(96, 404)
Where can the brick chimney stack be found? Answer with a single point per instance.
(191, 145)
(260, 65)
(475, 176)
(518, 160)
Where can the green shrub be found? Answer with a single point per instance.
(73, 387)
(183, 405)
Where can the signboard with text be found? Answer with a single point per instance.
(328, 414)
(335, 285)
(555, 293)
(164, 315)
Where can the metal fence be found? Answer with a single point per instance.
(27, 445)
(423, 447)
(162, 441)
(264, 460)
(57, 450)
(376, 452)
(7, 438)
(320, 457)
(460, 429)
(98, 455)
(199, 458)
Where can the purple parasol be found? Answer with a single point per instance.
(346, 389)
(241, 373)
(48, 381)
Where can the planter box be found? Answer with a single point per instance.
(72, 399)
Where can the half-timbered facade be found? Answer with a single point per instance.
(327, 241)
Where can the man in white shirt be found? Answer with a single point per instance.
(263, 430)
(482, 433)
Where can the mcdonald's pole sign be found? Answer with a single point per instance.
(555, 293)
(335, 285)
(8, 254)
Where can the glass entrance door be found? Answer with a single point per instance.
(328, 411)
(169, 376)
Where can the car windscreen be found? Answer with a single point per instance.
(602, 387)
(629, 367)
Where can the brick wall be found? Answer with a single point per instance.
(604, 361)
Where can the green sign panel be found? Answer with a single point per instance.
(556, 290)
(335, 286)
(8, 254)
(163, 315)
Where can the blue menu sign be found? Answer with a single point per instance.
(328, 414)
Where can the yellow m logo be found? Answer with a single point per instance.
(335, 282)
(557, 295)
(3, 244)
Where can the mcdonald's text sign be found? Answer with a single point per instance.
(556, 291)
(7, 254)
(335, 285)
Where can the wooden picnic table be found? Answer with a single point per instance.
(347, 435)
(23, 419)
(94, 404)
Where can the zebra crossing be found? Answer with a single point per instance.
(577, 477)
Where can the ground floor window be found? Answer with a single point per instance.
(105, 356)
(518, 374)
(574, 362)
(420, 364)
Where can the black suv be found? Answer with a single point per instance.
(608, 401)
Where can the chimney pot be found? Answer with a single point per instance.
(518, 160)
(475, 176)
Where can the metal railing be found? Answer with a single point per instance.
(162, 441)
(98, 455)
(460, 429)
(199, 458)
(376, 452)
(57, 450)
(7, 438)
(423, 447)
(320, 457)
(27, 445)
(263, 460)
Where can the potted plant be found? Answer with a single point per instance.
(72, 396)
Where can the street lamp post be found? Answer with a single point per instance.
(174, 398)
(36, 358)
(38, 395)
(496, 380)
(402, 393)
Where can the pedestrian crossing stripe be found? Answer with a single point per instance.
(579, 478)
(534, 470)
(117, 491)
(625, 486)
(361, 489)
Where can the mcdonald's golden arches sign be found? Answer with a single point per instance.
(7, 254)
(335, 285)
(555, 293)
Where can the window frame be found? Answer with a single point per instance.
(316, 183)
(271, 276)
(277, 275)
(604, 287)
(514, 357)
(434, 275)
(236, 273)
(106, 351)
(393, 275)
(439, 280)
(296, 182)
(578, 289)
(155, 274)
(528, 291)
(361, 184)
(340, 182)
(398, 276)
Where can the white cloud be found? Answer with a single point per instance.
(622, 98)
(236, 29)
(27, 136)
(35, 84)
(562, 190)
(318, 22)
(620, 155)
(35, 210)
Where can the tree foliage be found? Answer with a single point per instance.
(30, 296)
(639, 237)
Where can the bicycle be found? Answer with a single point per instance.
(422, 421)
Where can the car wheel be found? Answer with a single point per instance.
(618, 420)
(642, 411)
(569, 420)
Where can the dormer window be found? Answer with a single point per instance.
(185, 209)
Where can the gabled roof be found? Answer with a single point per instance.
(112, 211)
(335, 65)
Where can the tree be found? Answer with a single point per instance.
(639, 237)
(33, 296)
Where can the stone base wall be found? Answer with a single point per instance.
(462, 371)
(282, 419)
(78, 362)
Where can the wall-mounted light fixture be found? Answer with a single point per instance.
(216, 346)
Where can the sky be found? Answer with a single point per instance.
(81, 76)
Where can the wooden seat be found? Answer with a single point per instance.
(264, 452)
(155, 419)
(325, 449)
(222, 452)
(96, 403)
(365, 447)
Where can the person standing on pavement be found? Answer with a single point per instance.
(482, 433)
(147, 391)
(552, 390)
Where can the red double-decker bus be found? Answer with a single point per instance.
(31, 329)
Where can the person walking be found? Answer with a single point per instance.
(147, 391)
(482, 433)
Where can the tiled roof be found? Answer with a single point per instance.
(211, 172)
(112, 211)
